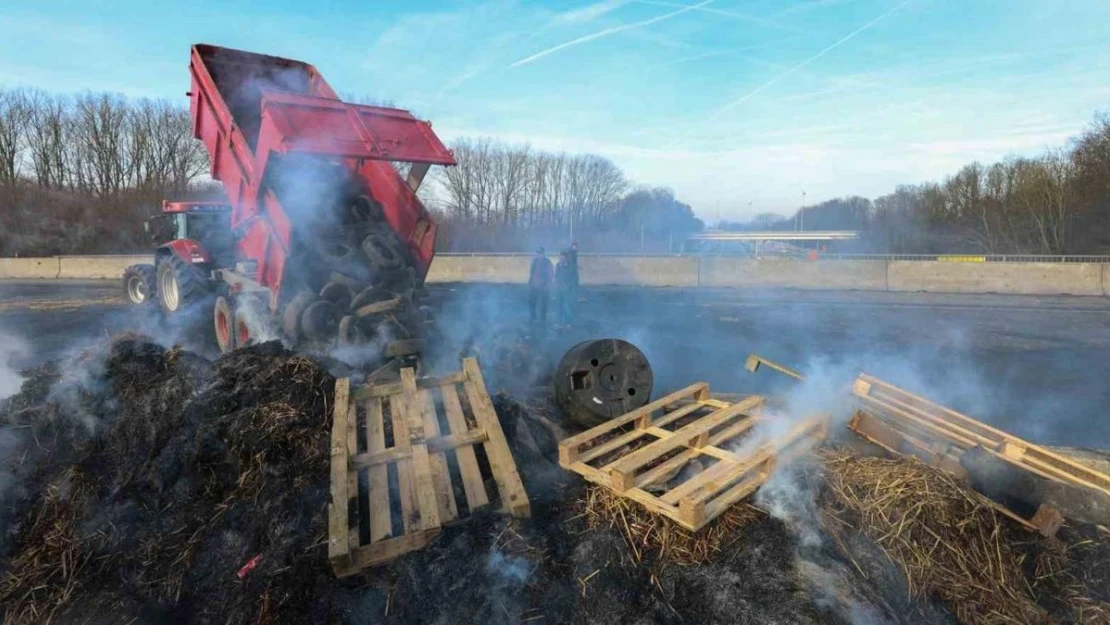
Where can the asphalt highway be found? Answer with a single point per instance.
(1036, 366)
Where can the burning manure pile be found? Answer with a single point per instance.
(145, 484)
(145, 478)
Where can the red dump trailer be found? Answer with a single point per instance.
(329, 239)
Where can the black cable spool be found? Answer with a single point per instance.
(602, 379)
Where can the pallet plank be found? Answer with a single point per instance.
(473, 485)
(381, 526)
(405, 488)
(418, 452)
(513, 496)
(421, 463)
(668, 467)
(438, 444)
(441, 475)
(962, 428)
(353, 493)
(338, 546)
(396, 388)
(623, 470)
(568, 448)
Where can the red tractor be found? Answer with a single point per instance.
(187, 234)
(322, 240)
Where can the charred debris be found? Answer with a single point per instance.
(146, 484)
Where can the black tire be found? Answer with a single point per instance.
(406, 347)
(370, 295)
(291, 316)
(320, 321)
(138, 285)
(365, 209)
(383, 251)
(179, 284)
(397, 280)
(223, 322)
(350, 332)
(380, 307)
(335, 253)
(338, 294)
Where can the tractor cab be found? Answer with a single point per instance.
(189, 220)
(208, 224)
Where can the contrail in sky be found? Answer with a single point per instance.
(607, 32)
(811, 59)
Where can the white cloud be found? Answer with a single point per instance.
(587, 13)
(607, 32)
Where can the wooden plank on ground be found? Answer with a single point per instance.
(438, 444)
(421, 463)
(353, 539)
(395, 388)
(513, 496)
(405, 488)
(441, 474)
(624, 469)
(338, 547)
(568, 448)
(473, 485)
(381, 524)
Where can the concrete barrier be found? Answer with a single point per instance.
(501, 269)
(1007, 278)
(847, 275)
(691, 271)
(655, 271)
(29, 268)
(97, 267)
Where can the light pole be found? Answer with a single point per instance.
(802, 212)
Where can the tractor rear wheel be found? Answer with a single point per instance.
(224, 322)
(138, 284)
(179, 283)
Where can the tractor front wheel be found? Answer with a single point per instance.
(179, 284)
(138, 284)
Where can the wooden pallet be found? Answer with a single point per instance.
(639, 454)
(906, 424)
(398, 452)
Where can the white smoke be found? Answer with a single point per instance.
(12, 349)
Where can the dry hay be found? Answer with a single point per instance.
(953, 546)
(43, 577)
(652, 535)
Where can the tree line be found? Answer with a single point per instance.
(78, 173)
(504, 197)
(1055, 203)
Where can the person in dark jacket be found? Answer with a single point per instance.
(572, 258)
(564, 289)
(540, 278)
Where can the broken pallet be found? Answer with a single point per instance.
(640, 454)
(398, 452)
(907, 424)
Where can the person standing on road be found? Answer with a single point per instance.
(564, 289)
(540, 278)
(572, 259)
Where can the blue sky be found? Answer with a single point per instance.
(739, 105)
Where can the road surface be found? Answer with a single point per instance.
(1036, 366)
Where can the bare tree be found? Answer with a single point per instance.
(15, 115)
